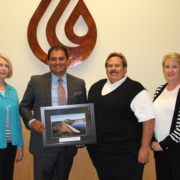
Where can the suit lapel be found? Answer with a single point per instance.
(70, 84)
(47, 84)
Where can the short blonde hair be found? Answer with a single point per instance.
(10, 65)
(172, 57)
(124, 61)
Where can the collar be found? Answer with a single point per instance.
(108, 87)
(8, 87)
(55, 78)
(118, 83)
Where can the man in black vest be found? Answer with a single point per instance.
(124, 122)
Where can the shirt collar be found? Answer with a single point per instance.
(118, 83)
(8, 87)
(55, 78)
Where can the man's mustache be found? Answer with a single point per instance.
(113, 71)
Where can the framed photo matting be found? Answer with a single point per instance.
(68, 125)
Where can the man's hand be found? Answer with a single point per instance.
(143, 157)
(38, 126)
(19, 154)
(148, 127)
(156, 146)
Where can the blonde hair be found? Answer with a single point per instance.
(172, 57)
(9, 63)
(124, 61)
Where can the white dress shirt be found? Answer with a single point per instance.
(141, 105)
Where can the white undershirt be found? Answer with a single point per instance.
(8, 133)
(141, 105)
(164, 107)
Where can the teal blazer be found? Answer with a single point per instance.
(11, 100)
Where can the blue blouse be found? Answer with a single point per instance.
(11, 100)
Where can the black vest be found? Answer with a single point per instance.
(118, 130)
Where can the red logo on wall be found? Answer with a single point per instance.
(86, 43)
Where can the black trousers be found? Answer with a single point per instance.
(117, 167)
(7, 157)
(53, 163)
(165, 168)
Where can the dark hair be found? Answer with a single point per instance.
(57, 48)
(124, 61)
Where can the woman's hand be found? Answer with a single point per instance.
(19, 154)
(155, 146)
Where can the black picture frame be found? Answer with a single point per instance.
(68, 125)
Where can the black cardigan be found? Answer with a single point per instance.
(171, 144)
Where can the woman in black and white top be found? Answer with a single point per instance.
(166, 141)
(11, 141)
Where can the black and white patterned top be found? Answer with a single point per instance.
(174, 135)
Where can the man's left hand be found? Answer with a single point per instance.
(143, 157)
(148, 127)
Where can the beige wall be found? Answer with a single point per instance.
(142, 30)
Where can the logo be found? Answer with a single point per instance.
(85, 43)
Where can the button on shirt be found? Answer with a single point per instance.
(141, 105)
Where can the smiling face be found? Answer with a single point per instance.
(172, 71)
(4, 68)
(115, 70)
(58, 63)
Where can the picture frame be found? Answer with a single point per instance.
(68, 125)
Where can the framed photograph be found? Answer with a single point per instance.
(68, 125)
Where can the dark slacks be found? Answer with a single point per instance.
(165, 168)
(52, 163)
(7, 157)
(117, 167)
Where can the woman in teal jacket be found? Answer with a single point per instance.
(11, 141)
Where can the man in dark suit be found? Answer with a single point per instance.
(42, 90)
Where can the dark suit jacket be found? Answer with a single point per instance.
(38, 93)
